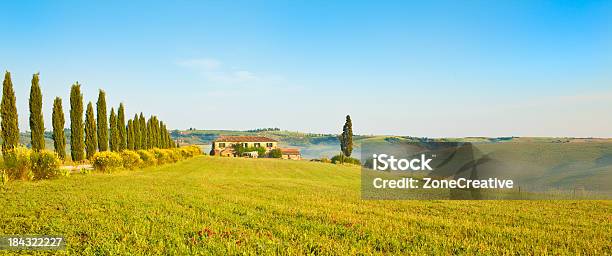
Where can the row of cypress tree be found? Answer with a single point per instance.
(87, 136)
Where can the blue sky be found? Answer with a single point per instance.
(428, 68)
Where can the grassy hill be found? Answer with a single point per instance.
(228, 206)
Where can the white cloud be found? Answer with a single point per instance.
(214, 71)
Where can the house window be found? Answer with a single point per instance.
(246, 145)
(269, 145)
(257, 145)
(221, 145)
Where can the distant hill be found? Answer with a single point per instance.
(314, 145)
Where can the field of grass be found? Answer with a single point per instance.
(229, 206)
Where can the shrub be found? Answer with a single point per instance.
(107, 161)
(175, 155)
(275, 153)
(17, 163)
(191, 151)
(147, 157)
(45, 164)
(161, 156)
(339, 159)
(130, 159)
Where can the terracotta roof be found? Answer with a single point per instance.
(290, 151)
(243, 139)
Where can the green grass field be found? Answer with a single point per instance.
(210, 205)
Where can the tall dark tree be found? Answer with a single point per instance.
(59, 141)
(144, 135)
(91, 133)
(102, 122)
(346, 138)
(114, 132)
(76, 123)
(137, 135)
(9, 123)
(37, 126)
(162, 135)
(130, 135)
(121, 128)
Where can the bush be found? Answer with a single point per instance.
(107, 161)
(191, 151)
(17, 162)
(339, 159)
(161, 156)
(147, 157)
(45, 164)
(275, 153)
(131, 159)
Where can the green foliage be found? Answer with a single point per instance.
(17, 163)
(131, 159)
(240, 149)
(144, 135)
(147, 157)
(59, 140)
(37, 126)
(342, 159)
(275, 153)
(346, 138)
(91, 133)
(77, 143)
(121, 129)
(8, 114)
(106, 161)
(102, 121)
(130, 135)
(45, 164)
(137, 134)
(114, 132)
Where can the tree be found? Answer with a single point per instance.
(76, 123)
(114, 132)
(37, 126)
(102, 122)
(8, 113)
(121, 128)
(346, 138)
(137, 135)
(91, 134)
(59, 141)
(144, 135)
(130, 135)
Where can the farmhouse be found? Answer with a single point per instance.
(223, 146)
(290, 153)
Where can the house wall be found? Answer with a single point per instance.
(249, 144)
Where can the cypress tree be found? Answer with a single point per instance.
(37, 127)
(144, 140)
(114, 133)
(8, 113)
(59, 141)
(162, 135)
(76, 123)
(130, 135)
(137, 135)
(121, 128)
(102, 122)
(346, 139)
(91, 134)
